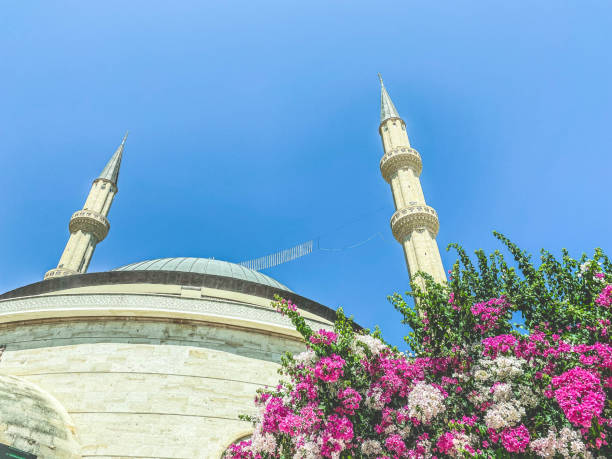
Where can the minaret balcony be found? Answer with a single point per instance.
(398, 158)
(405, 221)
(89, 222)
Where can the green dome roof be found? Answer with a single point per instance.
(204, 266)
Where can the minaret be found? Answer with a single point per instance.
(414, 224)
(90, 226)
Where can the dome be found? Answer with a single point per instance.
(204, 266)
(31, 420)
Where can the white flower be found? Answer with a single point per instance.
(371, 447)
(425, 402)
(461, 376)
(502, 368)
(308, 450)
(505, 414)
(263, 442)
(576, 447)
(545, 446)
(404, 431)
(567, 444)
(305, 358)
(528, 397)
(375, 345)
(479, 396)
(584, 267)
(588, 265)
(509, 367)
(570, 441)
(373, 399)
(460, 441)
(502, 392)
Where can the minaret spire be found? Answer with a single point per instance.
(387, 109)
(111, 170)
(90, 226)
(414, 224)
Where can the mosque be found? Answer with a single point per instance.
(156, 359)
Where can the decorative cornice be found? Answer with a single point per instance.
(91, 222)
(230, 284)
(405, 221)
(398, 158)
(114, 304)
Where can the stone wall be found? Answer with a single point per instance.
(147, 388)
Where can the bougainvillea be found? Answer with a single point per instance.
(473, 385)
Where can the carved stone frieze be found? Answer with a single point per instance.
(398, 158)
(114, 303)
(405, 221)
(90, 222)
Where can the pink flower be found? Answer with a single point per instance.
(274, 413)
(465, 420)
(290, 424)
(396, 444)
(306, 385)
(240, 450)
(516, 439)
(605, 297)
(285, 305)
(340, 428)
(324, 336)
(489, 313)
(445, 442)
(350, 400)
(580, 396)
(329, 369)
(499, 343)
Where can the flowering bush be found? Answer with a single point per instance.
(475, 387)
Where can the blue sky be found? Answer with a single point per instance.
(253, 127)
